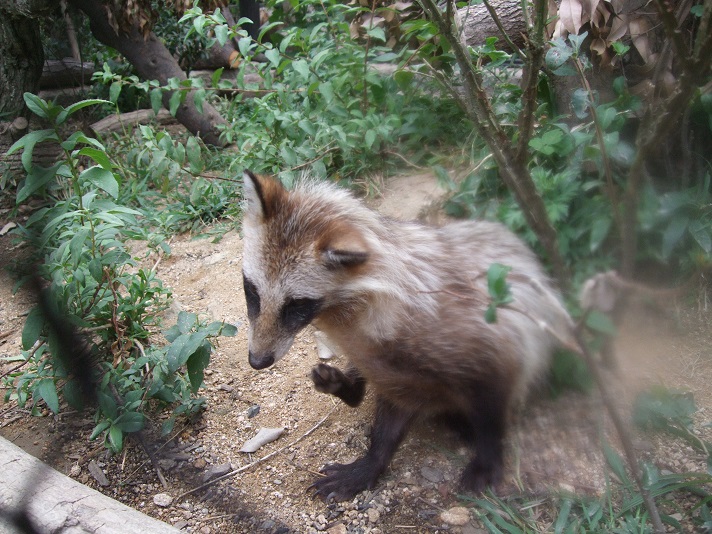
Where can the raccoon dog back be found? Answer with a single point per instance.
(406, 304)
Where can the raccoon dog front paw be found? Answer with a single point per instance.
(343, 481)
(328, 379)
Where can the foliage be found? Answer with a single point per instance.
(80, 241)
(323, 105)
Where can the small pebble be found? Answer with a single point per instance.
(456, 516)
(162, 500)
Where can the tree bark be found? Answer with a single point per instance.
(153, 61)
(477, 24)
(21, 54)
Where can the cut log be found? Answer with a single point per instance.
(67, 72)
(153, 61)
(217, 57)
(117, 123)
(54, 502)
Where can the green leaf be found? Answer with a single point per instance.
(370, 138)
(491, 314)
(673, 234)
(228, 330)
(99, 428)
(497, 284)
(404, 78)
(557, 55)
(580, 103)
(186, 321)
(114, 92)
(130, 422)
(156, 100)
(116, 438)
(194, 155)
(302, 68)
(196, 365)
(599, 231)
(28, 142)
(36, 105)
(199, 99)
(107, 405)
(221, 33)
(33, 328)
(96, 270)
(183, 348)
(327, 91)
(273, 56)
(174, 102)
(563, 517)
(76, 245)
(47, 389)
(36, 179)
(99, 157)
(615, 462)
(101, 178)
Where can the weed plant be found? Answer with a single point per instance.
(80, 241)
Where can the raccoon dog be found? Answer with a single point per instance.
(406, 304)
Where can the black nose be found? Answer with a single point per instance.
(261, 361)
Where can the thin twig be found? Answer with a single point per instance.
(258, 461)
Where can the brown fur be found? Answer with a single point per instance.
(406, 304)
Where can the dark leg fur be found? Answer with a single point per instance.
(487, 422)
(342, 482)
(350, 387)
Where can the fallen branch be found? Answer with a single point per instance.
(256, 462)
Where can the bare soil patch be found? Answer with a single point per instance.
(554, 447)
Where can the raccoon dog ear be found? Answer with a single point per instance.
(347, 249)
(262, 194)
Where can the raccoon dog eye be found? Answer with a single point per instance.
(252, 297)
(297, 313)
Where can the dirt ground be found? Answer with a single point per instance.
(554, 446)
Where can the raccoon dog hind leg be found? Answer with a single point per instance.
(406, 303)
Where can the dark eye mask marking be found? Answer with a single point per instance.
(297, 313)
(252, 297)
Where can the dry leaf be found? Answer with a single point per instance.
(619, 28)
(598, 45)
(570, 13)
(639, 28)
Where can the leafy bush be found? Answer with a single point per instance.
(92, 278)
(324, 106)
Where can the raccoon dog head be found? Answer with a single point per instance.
(300, 248)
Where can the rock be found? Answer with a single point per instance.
(98, 474)
(200, 463)
(253, 411)
(337, 529)
(456, 516)
(75, 471)
(373, 515)
(264, 436)
(215, 471)
(162, 499)
(432, 475)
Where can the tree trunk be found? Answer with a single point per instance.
(478, 25)
(21, 55)
(153, 61)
